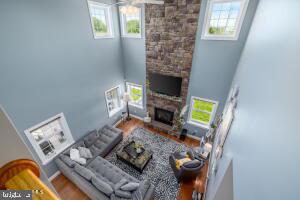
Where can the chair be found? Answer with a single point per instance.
(188, 170)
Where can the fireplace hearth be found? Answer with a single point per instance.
(164, 116)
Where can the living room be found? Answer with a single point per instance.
(149, 99)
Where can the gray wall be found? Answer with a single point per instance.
(51, 63)
(134, 55)
(214, 63)
(264, 138)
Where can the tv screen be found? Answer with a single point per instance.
(168, 85)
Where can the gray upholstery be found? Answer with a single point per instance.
(100, 144)
(102, 186)
(66, 159)
(188, 172)
(90, 138)
(131, 186)
(84, 172)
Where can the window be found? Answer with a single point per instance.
(202, 112)
(131, 24)
(113, 101)
(223, 19)
(50, 137)
(136, 94)
(101, 20)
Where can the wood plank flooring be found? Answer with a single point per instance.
(68, 191)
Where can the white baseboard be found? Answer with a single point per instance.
(194, 137)
(54, 176)
(135, 116)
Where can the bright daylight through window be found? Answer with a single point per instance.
(50, 137)
(130, 22)
(113, 100)
(101, 20)
(202, 112)
(136, 94)
(223, 19)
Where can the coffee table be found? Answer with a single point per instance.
(135, 155)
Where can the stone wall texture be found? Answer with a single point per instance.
(170, 41)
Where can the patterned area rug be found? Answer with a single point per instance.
(158, 170)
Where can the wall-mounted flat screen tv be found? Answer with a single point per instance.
(168, 85)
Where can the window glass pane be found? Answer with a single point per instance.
(113, 100)
(201, 117)
(203, 105)
(133, 23)
(100, 21)
(136, 94)
(224, 17)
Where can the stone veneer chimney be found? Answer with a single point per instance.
(170, 40)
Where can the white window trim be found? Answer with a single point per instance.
(109, 19)
(115, 111)
(122, 23)
(240, 20)
(133, 104)
(37, 148)
(199, 124)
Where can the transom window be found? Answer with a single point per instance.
(202, 112)
(50, 137)
(113, 100)
(136, 94)
(101, 20)
(223, 19)
(131, 23)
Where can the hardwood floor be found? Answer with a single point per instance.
(68, 191)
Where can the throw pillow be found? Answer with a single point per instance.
(142, 190)
(123, 194)
(102, 186)
(118, 185)
(131, 186)
(180, 162)
(67, 160)
(74, 155)
(192, 164)
(84, 172)
(85, 152)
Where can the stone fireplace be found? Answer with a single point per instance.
(170, 41)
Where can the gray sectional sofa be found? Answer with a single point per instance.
(100, 143)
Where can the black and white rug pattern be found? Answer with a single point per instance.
(158, 170)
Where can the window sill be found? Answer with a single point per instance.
(132, 36)
(198, 124)
(136, 106)
(104, 37)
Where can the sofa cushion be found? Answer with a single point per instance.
(100, 144)
(142, 190)
(74, 155)
(85, 152)
(95, 151)
(102, 186)
(90, 138)
(67, 160)
(123, 194)
(192, 164)
(84, 172)
(131, 186)
(122, 182)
